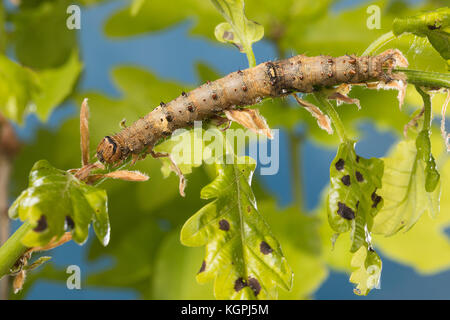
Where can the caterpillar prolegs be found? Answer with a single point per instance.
(248, 87)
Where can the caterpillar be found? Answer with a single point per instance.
(248, 87)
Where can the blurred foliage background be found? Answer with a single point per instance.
(129, 56)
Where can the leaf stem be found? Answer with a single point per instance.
(12, 249)
(328, 108)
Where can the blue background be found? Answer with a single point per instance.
(171, 54)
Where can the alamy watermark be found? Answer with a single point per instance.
(213, 146)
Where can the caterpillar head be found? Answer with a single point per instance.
(108, 151)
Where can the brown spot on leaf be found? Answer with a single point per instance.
(254, 285)
(203, 267)
(346, 180)
(224, 225)
(249, 208)
(265, 248)
(41, 224)
(345, 212)
(239, 284)
(339, 164)
(359, 176)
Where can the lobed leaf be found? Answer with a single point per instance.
(352, 200)
(242, 255)
(55, 201)
(238, 30)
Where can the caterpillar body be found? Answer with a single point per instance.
(248, 87)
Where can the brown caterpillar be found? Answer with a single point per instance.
(248, 87)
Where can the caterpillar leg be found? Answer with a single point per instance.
(174, 168)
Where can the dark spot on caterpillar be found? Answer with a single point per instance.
(330, 74)
(190, 108)
(301, 76)
(70, 223)
(203, 267)
(161, 119)
(239, 284)
(346, 180)
(330, 61)
(433, 27)
(240, 72)
(214, 96)
(375, 199)
(113, 143)
(224, 225)
(359, 176)
(249, 208)
(204, 100)
(244, 88)
(345, 212)
(352, 61)
(41, 224)
(169, 118)
(339, 164)
(265, 248)
(162, 104)
(184, 94)
(254, 285)
(166, 133)
(208, 82)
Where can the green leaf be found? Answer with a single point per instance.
(435, 25)
(23, 91)
(42, 39)
(37, 263)
(242, 255)
(55, 201)
(368, 270)
(353, 201)
(18, 85)
(298, 234)
(405, 246)
(403, 191)
(56, 85)
(238, 30)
